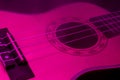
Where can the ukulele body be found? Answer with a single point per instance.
(46, 61)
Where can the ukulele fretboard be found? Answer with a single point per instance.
(109, 24)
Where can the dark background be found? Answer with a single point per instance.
(40, 6)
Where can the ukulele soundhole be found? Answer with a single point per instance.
(76, 35)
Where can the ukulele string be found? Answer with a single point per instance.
(62, 35)
(66, 42)
(44, 34)
(33, 37)
(27, 53)
(35, 44)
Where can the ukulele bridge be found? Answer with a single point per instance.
(12, 57)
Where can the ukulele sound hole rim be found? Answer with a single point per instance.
(53, 39)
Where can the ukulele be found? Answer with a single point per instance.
(58, 44)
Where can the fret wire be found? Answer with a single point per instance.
(113, 25)
(106, 25)
(117, 20)
(117, 24)
(105, 19)
(114, 20)
(106, 15)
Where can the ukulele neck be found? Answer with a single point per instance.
(108, 24)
